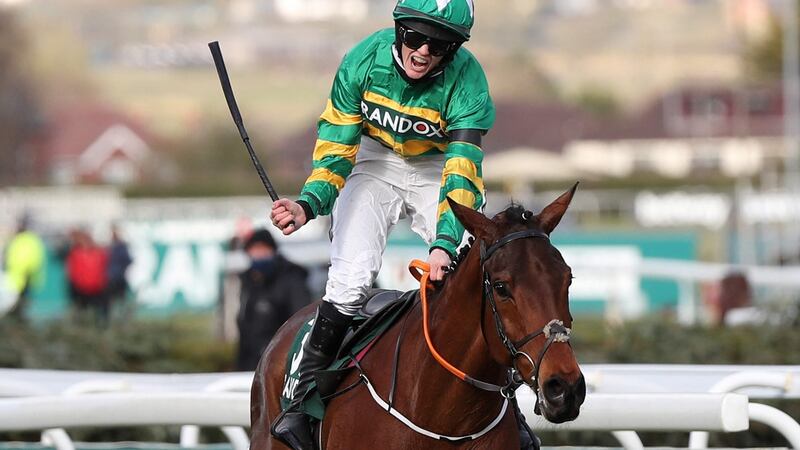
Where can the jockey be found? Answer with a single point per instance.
(400, 133)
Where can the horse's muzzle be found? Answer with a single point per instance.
(561, 401)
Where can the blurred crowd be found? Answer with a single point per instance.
(260, 289)
(94, 274)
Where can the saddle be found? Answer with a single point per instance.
(381, 309)
(378, 299)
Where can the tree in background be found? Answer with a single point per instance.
(211, 161)
(19, 112)
(598, 101)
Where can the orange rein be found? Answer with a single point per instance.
(421, 270)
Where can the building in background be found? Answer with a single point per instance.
(692, 132)
(89, 143)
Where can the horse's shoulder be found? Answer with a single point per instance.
(286, 333)
(274, 357)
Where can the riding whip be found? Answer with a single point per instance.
(216, 53)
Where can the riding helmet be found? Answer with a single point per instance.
(449, 20)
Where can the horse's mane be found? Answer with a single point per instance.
(514, 214)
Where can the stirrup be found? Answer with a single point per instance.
(293, 429)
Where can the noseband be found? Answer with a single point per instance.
(553, 331)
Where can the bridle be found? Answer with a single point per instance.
(553, 331)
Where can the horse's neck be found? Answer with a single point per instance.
(456, 331)
(455, 314)
(456, 319)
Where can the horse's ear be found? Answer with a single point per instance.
(476, 223)
(552, 213)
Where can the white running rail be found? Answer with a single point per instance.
(605, 412)
(621, 399)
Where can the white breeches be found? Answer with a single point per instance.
(383, 188)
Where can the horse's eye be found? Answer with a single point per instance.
(501, 289)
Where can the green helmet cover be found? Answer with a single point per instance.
(455, 15)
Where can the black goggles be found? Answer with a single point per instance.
(414, 40)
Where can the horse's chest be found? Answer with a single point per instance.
(354, 422)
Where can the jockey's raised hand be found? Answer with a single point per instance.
(438, 260)
(288, 216)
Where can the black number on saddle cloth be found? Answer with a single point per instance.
(365, 331)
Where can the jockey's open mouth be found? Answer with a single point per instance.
(417, 63)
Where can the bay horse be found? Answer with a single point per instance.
(504, 305)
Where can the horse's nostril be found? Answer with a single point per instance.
(554, 390)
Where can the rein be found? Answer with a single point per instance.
(553, 331)
(421, 273)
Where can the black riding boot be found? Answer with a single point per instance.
(527, 440)
(292, 427)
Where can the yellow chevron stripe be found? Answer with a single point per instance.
(464, 167)
(381, 136)
(408, 148)
(461, 196)
(336, 117)
(328, 148)
(428, 114)
(468, 143)
(326, 175)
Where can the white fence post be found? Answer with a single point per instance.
(629, 440)
(778, 420)
(58, 437)
(236, 435)
(766, 414)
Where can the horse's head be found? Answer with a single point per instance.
(526, 285)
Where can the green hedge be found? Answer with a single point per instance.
(659, 340)
(181, 345)
(188, 344)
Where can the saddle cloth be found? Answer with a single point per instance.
(381, 310)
